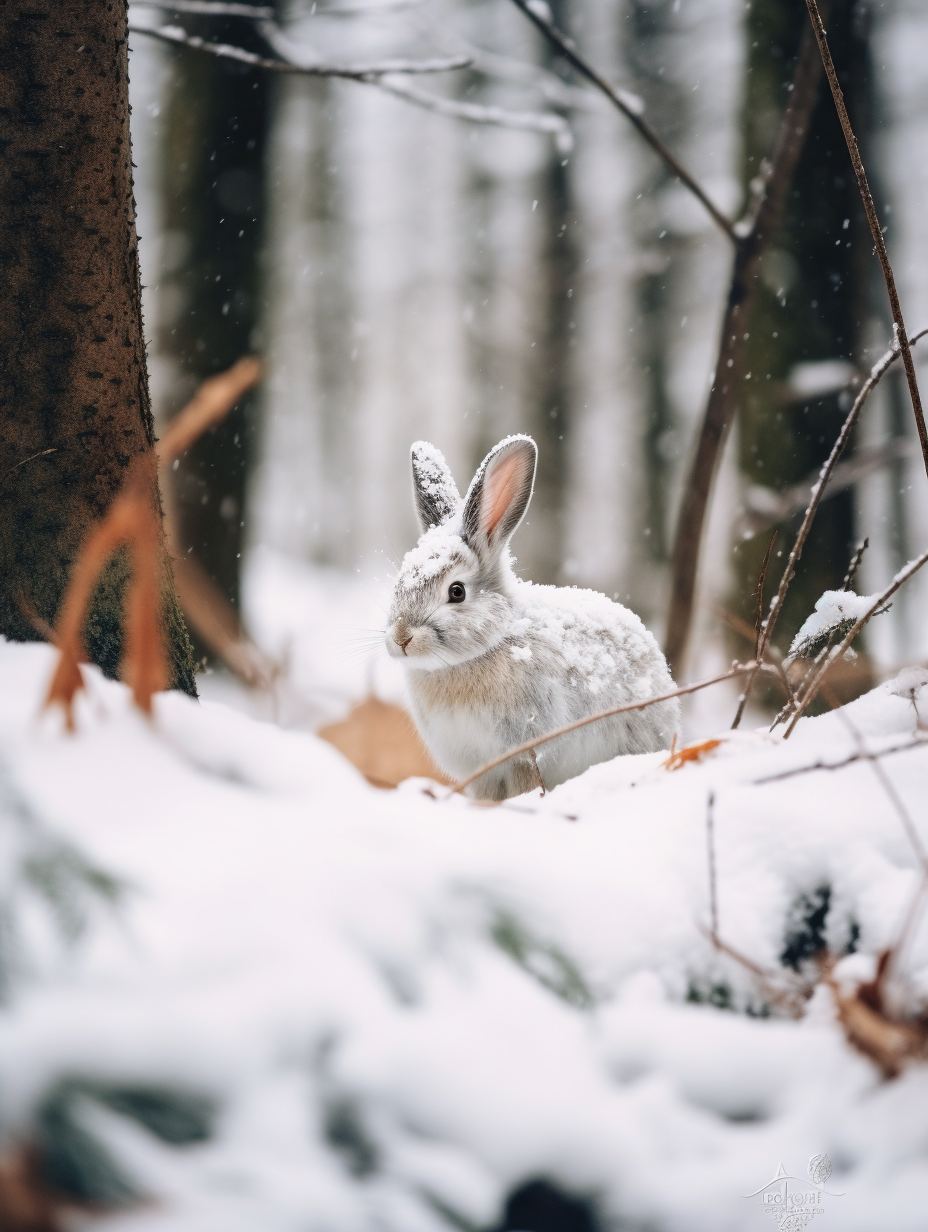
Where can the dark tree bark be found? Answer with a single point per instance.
(214, 194)
(74, 408)
(550, 411)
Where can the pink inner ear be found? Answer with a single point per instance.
(499, 490)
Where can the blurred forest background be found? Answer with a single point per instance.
(407, 274)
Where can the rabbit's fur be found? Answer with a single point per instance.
(512, 659)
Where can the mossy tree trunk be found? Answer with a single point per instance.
(74, 408)
(811, 304)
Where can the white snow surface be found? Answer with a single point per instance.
(486, 994)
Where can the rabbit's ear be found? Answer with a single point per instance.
(437, 496)
(498, 497)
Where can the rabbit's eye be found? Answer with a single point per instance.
(456, 592)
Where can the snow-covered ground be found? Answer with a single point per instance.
(244, 990)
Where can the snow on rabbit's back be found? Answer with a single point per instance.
(491, 660)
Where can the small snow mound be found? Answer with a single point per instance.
(909, 682)
(835, 610)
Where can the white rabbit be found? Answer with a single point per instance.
(492, 660)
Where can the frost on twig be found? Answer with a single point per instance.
(367, 72)
(290, 57)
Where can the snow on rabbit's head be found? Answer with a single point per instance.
(450, 602)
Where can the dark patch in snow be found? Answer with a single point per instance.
(539, 1205)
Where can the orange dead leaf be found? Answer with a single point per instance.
(381, 741)
(24, 1202)
(869, 1027)
(210, 613)
(689, 752)
(211, 403)
(134, 519)
(117, 528)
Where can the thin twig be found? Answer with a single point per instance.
(846, 583)
(370, 73)
(898, 804)
(759, 589)
(813, 767)
(816, 496)
(713, 878)
(739, 669)
(209, 8)
(759, 594)
(815, 683)
(628, 106)
(210, 404)
(377, 8)
(451, 108)
(477, 113)
(40, 453)
(764, 508)
(873, 222)
(895, 953)
(754, 236)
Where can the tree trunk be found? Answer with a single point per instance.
(213, 173)
(74, 406)
(811, 305)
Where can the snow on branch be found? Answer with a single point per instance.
(210, 8)
(878, 604)
(387, 75)
(478, 113)
(320, 68)
(835, 612)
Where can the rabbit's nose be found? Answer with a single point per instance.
(403, 642)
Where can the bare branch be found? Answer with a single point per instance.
(873, 222)
(739, 669)
(628, 105)
(713, 876)
(818, 488)
(764, 508)
(889, 789)
(753, 238)
(477, 113)
(759, 589)
(210, 8)
(386, 75)
(815, 683)
(370, 73)
(376, 8)
(906, 746)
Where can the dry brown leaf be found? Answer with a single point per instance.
(211, 403)
(133, 519)
(213, 617)
(24, 1207)
(690, 752)
(888, 1042)
(117, 528)
(145, 665)
(380, 740)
